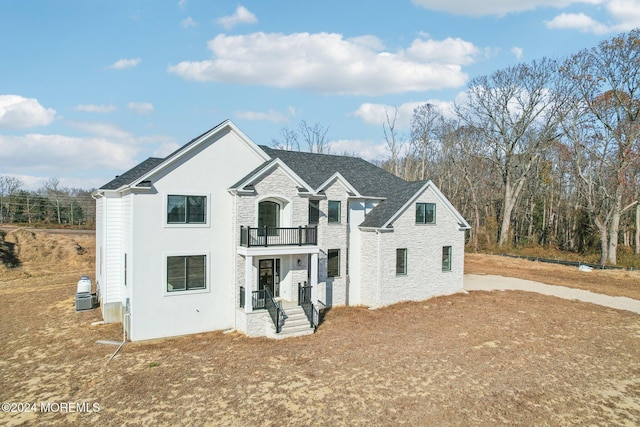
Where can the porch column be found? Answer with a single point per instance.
(314, 278)
(248, 284)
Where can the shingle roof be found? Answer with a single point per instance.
(368, 179)
(132, 174)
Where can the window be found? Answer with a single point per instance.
(186, 273)
(401, 261)
(334, 211)
(268, 214)
(314, 211)
(446, 258)
(333, 262)
(186, 209)
(425, 213)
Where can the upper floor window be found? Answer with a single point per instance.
(314, 211)
(268, 214)
(334, 211)
(425, 213)
(186, 273)
(186, 209)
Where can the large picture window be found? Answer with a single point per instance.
(446, 258)
(334, 211)
(186, 273)
(333, 262)
(186, 209)
(425, 213)
(401, 261)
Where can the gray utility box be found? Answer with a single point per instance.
(84, 301)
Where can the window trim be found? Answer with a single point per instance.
(447, 267)
(425, 204)
(339, 219)
(338, 257)
(207, 211)
(165, 274)
(405, 259)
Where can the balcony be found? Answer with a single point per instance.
(278, 236)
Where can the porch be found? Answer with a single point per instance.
(276, 289)
(285, 318)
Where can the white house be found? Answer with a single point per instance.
(225, 234)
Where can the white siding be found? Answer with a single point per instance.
(112, 273)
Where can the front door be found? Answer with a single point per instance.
(269, 275)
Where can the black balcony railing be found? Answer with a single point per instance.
(278, 236)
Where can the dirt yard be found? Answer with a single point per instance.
(477, 359)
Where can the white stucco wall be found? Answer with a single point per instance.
(425, 278)
(208, 171)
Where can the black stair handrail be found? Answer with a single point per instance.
(304, 301)
(274, 309)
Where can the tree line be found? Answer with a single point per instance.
(545, 152)
(50, 204)
(539, 153)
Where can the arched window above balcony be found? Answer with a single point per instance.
(268, 214)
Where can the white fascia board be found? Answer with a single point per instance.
(338, 176)
(376, 229)
(228, 126)
(429, 184)
(277, 162)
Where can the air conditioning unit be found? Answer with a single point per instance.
(84, 301)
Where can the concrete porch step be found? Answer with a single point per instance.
(296, 324)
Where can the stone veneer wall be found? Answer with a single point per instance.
(425, 278)
(333, 291)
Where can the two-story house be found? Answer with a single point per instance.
(225, 234)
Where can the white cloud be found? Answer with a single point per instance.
(141, 107)
(517, 52)
(123, 64)
(270, 116)
(577, 21)
(495, 7)
(188, 22)
(328, 63)
(182, 3)
(165, 149)
(105, 130)
(376, 114)
(241, 16)
(364, 149)
(93, 108)
(626, 13)
(17, 112)
(54, 154)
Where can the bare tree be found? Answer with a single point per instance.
(394, 141)
(9, 185)
(605, 131)
(288, 140)
(515, 111)
(55, 195)
(424, 127)
(315, 136)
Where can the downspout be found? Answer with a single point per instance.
(126, 320)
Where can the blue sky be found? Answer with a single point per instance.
(90, 88)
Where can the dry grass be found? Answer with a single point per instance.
(467, 359)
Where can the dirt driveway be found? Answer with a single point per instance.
(475, 359)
